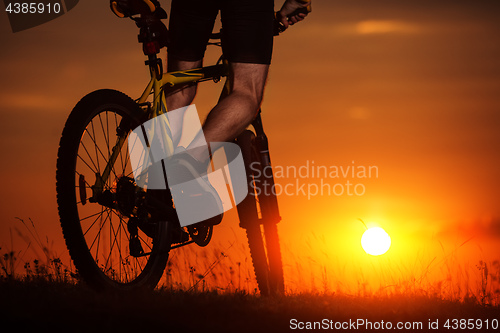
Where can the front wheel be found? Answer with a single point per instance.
(113, 245)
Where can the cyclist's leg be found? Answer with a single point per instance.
(185, 95)
(247, 43)
(180, 98)
(191, 22)
(237, 110)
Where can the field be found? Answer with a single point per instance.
(208, 290)
(49, 296)
(58, 306)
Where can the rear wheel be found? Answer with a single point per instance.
(261, 230)
(113, 241)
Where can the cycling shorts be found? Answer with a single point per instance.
(247, 27)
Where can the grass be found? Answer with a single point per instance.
(46, 265)
(73, 307)
(207, 289)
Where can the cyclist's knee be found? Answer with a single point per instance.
(248, 98)
(249, 81)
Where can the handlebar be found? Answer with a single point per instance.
(148, 14)
(129, 8)
(279, 27)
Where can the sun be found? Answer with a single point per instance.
(375, 241)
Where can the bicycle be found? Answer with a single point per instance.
(118, 234)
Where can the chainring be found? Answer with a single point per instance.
(201, 234)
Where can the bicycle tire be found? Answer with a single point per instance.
(124, 272)
(263, 243)
(276, 274)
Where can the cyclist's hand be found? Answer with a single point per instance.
(133, 7)
(293, 11)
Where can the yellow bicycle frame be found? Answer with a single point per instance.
(157, 84)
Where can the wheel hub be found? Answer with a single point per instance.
(126, 195)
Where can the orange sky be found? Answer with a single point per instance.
(412, 88)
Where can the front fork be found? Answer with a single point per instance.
(268, 199)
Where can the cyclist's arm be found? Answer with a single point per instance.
(293, 11)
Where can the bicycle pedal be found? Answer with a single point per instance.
(135, 246)
(132, 226)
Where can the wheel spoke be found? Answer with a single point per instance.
(90, 216)
(90, 137)
(93, 137)
(96, 167)
(95, 146)
(112, 241)
(104, 132)
(93, 170)
(98, 235)
(100, 151)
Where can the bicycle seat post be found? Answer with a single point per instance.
(151, 38)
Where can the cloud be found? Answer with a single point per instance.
(359, 113)
(493, 227)
(19, 100)
(371, 27)
(488, 227)
(360, 28)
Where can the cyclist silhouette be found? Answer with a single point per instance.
(248, 27)
(247, 42)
